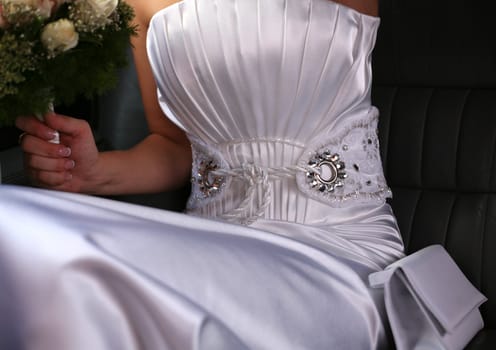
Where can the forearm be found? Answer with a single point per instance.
(369, 7)
(156, 164)
(161, 161)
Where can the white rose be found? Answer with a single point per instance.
(92, 14)
(103, 8)
(59, 36)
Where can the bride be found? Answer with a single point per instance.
(269, 116)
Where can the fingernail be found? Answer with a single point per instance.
(68, 176)
(50, 135)
(70, 164)
(55, 139)
(65, 152)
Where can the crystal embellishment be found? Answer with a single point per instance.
(208, 182)
(326, 172)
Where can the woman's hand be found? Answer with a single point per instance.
(68, 166)
(160, 162)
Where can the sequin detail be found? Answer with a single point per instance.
(355, 174)
(326, 172)
(208, 183)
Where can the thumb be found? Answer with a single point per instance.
(64, 124)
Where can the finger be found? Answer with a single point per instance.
(36, 162)
(50, 179)
(35, 146)
(33, 126)
(66, 125)
(19, 139)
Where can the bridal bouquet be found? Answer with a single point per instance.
(52, 51)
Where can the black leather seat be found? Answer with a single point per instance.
(435, 85)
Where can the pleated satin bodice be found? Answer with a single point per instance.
(263, 88)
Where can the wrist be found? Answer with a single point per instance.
(98, 179)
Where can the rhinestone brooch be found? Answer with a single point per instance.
(326, 172)
(208, 183)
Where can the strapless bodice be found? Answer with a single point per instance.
(275, 96)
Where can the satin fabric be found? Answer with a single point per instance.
(267, 83)
(241, 70)
(88, 273)
(430, 303)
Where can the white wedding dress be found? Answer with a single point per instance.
(287, 217)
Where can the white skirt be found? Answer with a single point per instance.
(80, 272)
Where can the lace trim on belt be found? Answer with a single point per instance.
(349, 164)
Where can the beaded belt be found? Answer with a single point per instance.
(339, 171)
